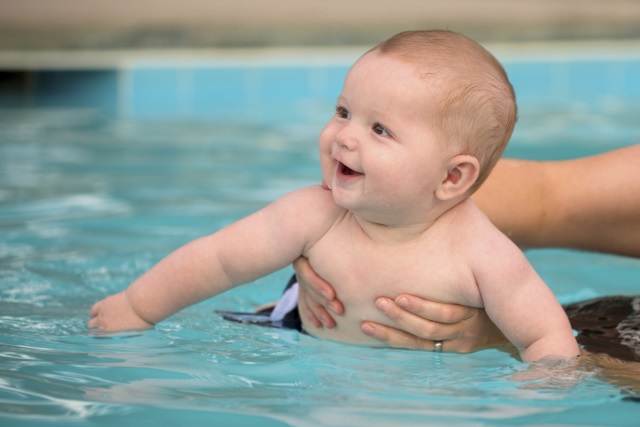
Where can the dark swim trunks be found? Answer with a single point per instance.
(283, 315)
(609, 325)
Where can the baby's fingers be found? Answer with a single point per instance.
(95, 309)
(115, 314)
(93, 316)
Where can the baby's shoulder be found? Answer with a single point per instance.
(312, 206)
(480, 238)
(468, 226)
(311, 212)
(314, 199)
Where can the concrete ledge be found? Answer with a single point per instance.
(126, 24)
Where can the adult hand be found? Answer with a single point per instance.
(421, 323)
(317, 298)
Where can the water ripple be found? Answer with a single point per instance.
(66, 207)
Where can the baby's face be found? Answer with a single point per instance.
(379, 152)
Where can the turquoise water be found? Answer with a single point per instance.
(89, 201)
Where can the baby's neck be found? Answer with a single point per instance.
(403, 228)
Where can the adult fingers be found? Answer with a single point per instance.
(304, 309)
(435, 311)
(396, 338)
(314, 311)
(417, 325)
(462, 329)
(317, 288)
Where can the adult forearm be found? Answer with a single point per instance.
(602, 203)
(592, 203)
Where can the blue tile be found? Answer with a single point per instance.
(335, 79)
(218, 93)
(300, 93)
(588, 82)
(154, 92)
(534, 83)
(284, 84)
(624, 80)
(589, 85)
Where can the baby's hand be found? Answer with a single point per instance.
(114, 314)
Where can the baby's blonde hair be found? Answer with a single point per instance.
(476, 110)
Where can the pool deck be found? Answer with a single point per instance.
(37, 34)
(143, 24)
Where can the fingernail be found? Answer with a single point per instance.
(333, 308)
(382, 304)
(368, 329)
(402, 302)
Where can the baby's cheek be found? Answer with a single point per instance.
(327, 164)
(328, 169)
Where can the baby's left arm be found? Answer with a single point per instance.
(521, 304)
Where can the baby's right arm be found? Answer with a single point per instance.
(188, 275)
(255, 246)
(115, 313)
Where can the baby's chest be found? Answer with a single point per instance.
(366, 273)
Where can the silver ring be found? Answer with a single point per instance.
(437, 347)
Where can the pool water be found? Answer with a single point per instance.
(90, 200)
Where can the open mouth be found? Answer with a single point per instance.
(347, 171)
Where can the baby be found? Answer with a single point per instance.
(421, 120)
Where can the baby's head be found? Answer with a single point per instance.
(476, 110)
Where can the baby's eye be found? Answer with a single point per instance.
(342, 112)
(377, 128)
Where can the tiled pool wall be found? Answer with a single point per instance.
(292, 90)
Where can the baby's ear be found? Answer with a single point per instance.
(462, 172)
